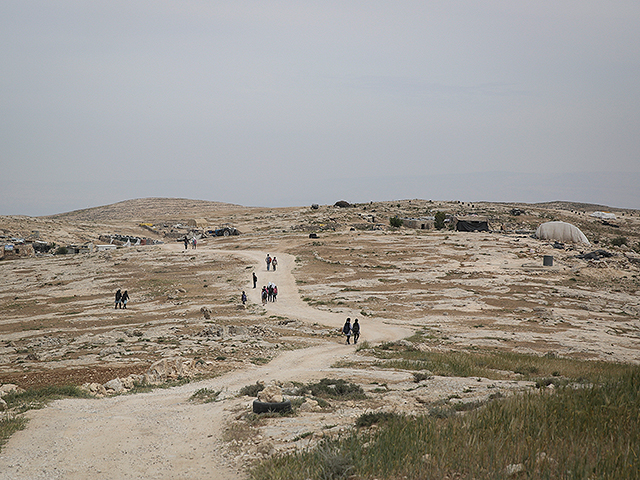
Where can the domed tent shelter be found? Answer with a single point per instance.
(561, 232)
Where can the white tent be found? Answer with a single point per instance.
(562, 232)
(604, 215)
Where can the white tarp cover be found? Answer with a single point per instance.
(604, 215)
(562, 232)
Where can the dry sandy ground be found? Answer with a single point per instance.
(461, 290)
(161, 434)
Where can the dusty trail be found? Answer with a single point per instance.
(161, 435)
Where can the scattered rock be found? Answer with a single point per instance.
(115, 350)
(115, 385)
(271, 394)
(514, 469)
(9, 388)
(170, 369)
(206, 312)
(266, 449)
(310, 405)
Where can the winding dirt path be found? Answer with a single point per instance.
(161, 435)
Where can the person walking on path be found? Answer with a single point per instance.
(255, 279)
(125, 299)
(355, 328)
(275, 293)
(274, 263)
(268, 260)
(264, 295)
(194, 243)
(118, 298)
(186, 243)
(244, 298)
(347, 330)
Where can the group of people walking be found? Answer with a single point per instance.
(193, 242)
(269, 293)
(121, 299)
(351, 329)
(271, 262)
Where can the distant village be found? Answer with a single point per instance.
(13, 247)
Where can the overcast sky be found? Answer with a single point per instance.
(275, 103)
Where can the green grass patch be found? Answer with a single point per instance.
(334, 389)
(495, 365)
(571, 433)
(10, 425)
(32, 399)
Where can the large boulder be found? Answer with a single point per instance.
(114, 386)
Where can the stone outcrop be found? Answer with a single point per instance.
(170, 369)
(161, 371)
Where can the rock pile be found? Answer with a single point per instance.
(161, 371)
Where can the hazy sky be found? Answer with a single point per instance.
(277, 103)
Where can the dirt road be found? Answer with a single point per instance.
(161, 435)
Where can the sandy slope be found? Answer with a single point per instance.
(161, 434)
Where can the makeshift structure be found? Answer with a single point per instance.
(425, 223)
(16, 250)
(472, 224)
(604, 215)
(198, 223)
(561, 232)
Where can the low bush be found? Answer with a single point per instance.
(251, 390)
(395, 222)
(205, 395)
(335, 389)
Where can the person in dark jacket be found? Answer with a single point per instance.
(118, 298)
(346, 329)
(255, 279)
(355, 328)
(125, 299)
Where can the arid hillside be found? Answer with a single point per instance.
(424, 290)
(59, 325)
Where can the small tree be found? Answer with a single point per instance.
(439, 221)
(395, 222)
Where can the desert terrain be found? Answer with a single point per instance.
(458, 290)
